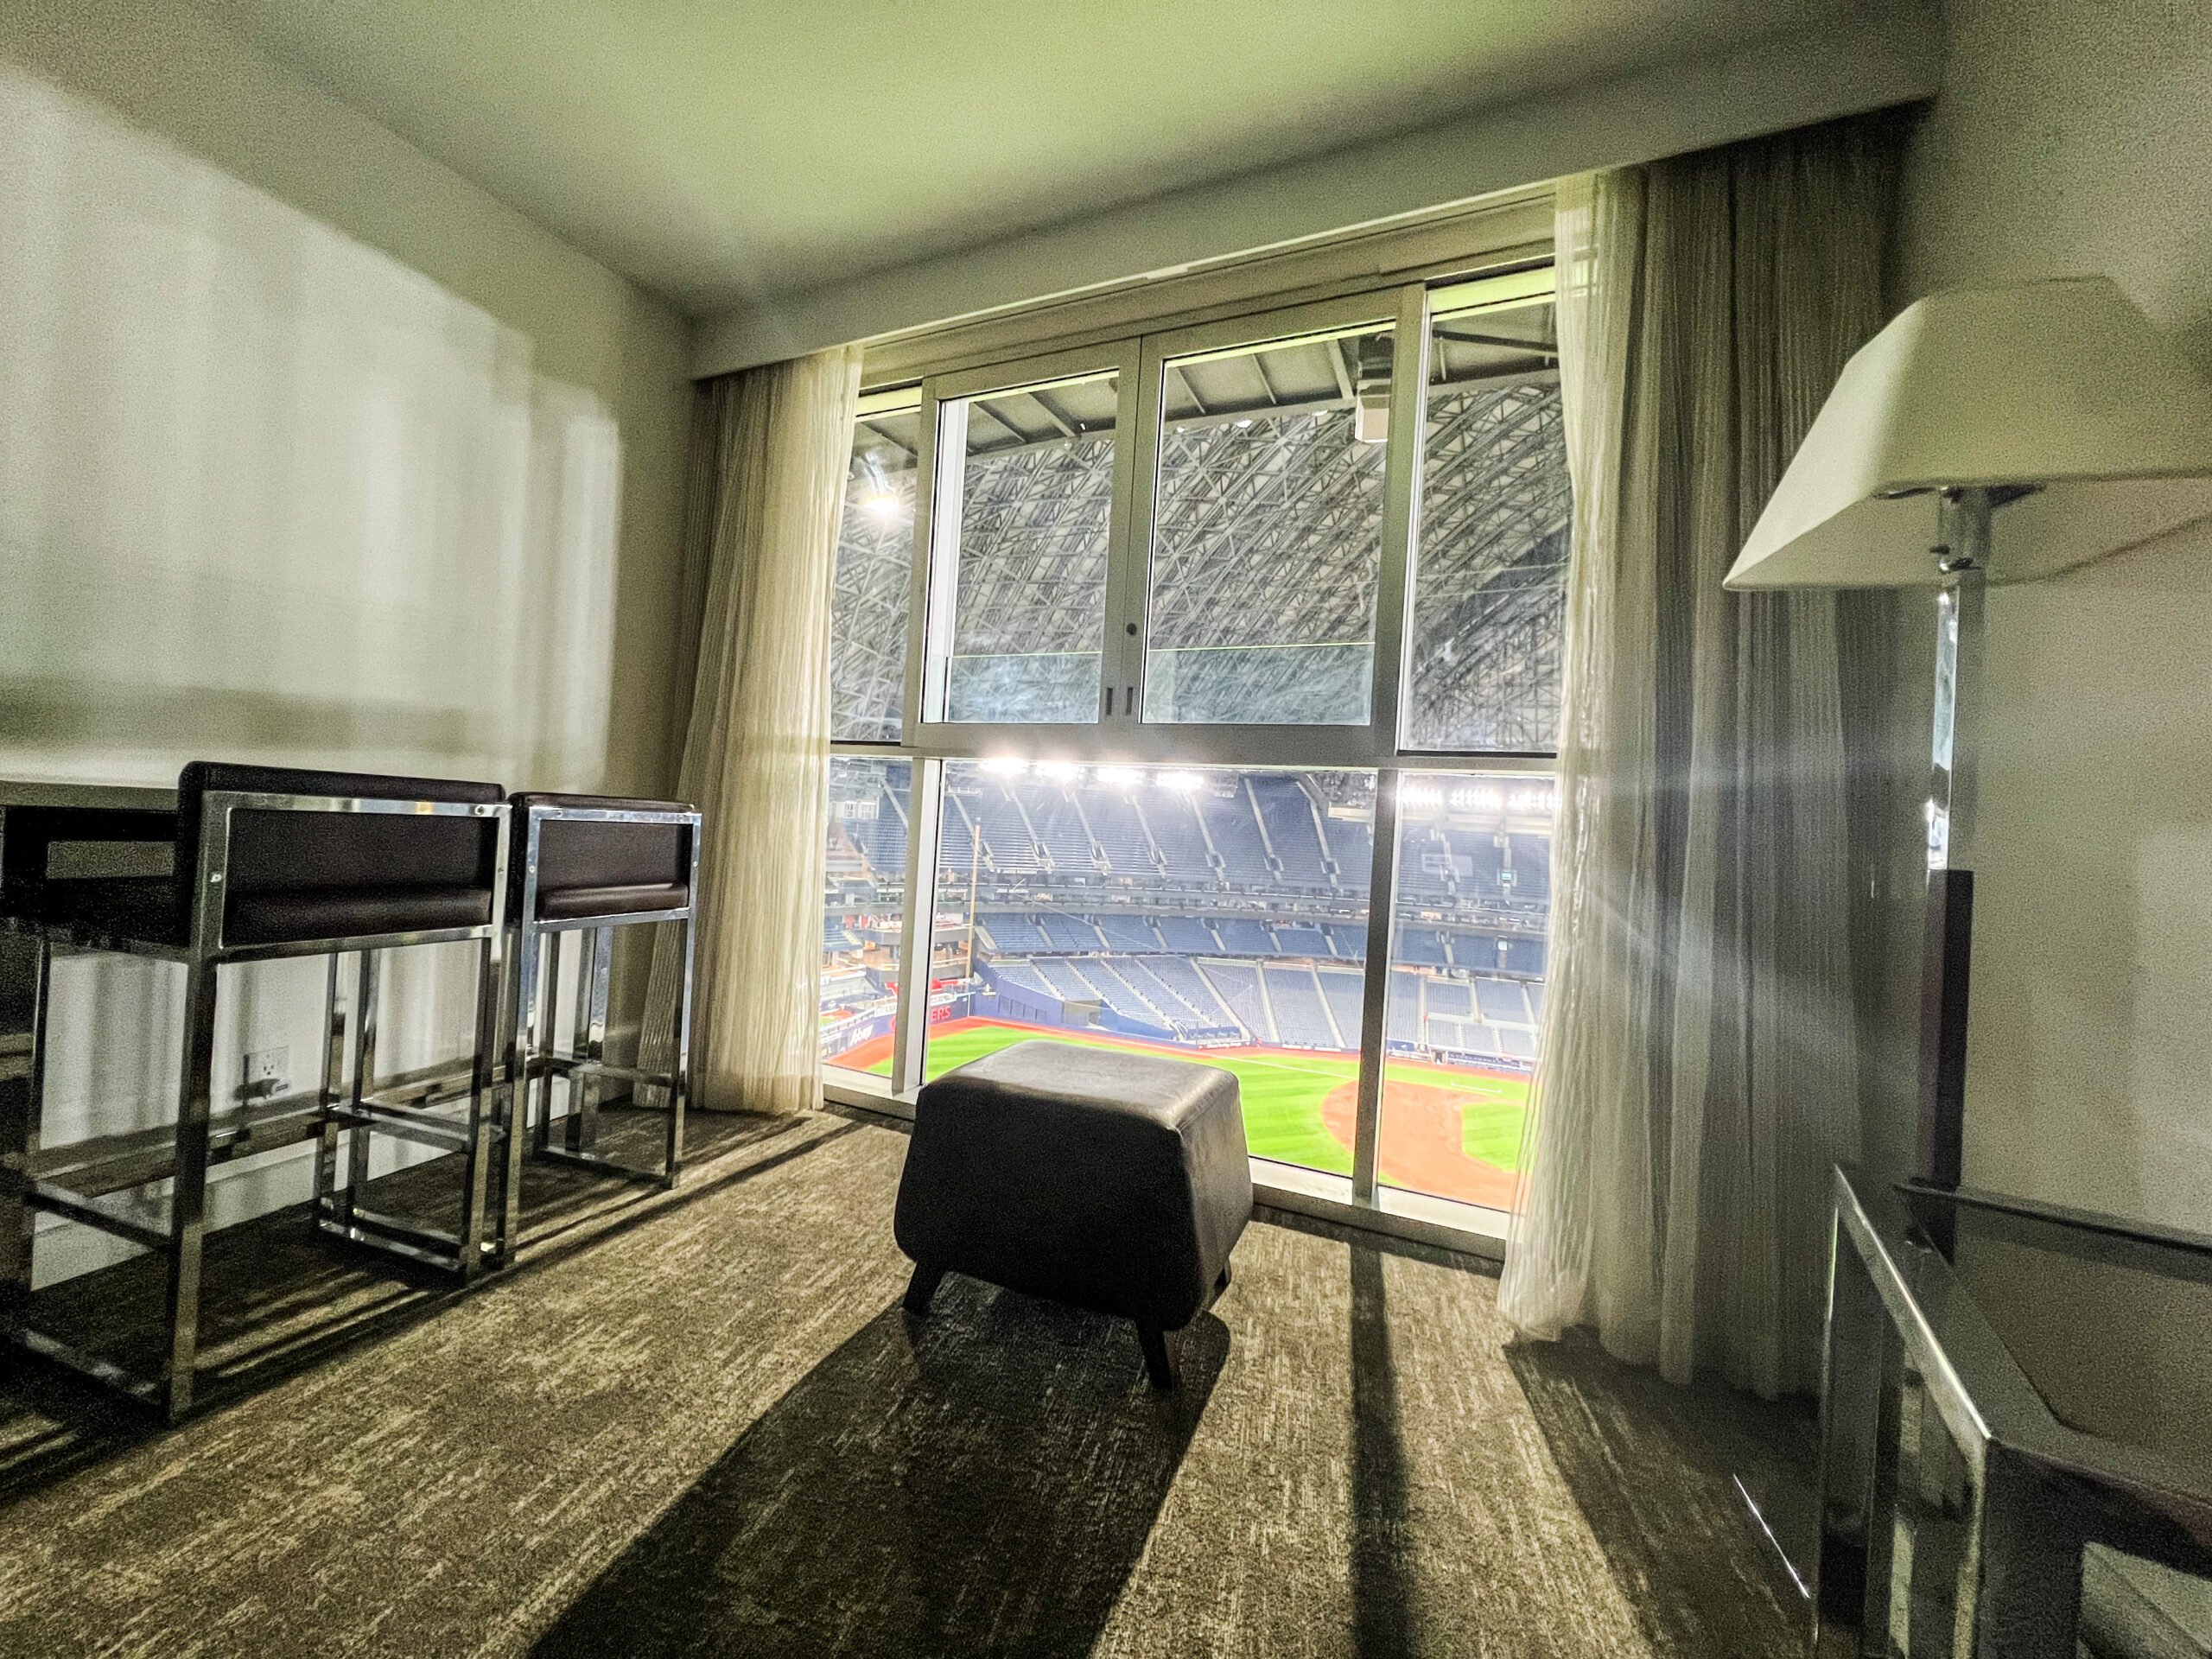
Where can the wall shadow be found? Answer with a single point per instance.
(1667, 1478)
(984, 1481)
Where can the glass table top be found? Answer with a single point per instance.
(2112, 1329)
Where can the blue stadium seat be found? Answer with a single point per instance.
(1127, 932)
(1343, 991)
(1532, 867)
(1012, 935)
(1288, 814)
(1120, 833)
(1174, 824)
(1348, 941)
(1023, 974)
(1246, 938)
(1237, 984)
(1188, 936)
(1500, 1002)
(1524, 956)
(1069, 932)
(1404, 1023)
(1452, 998)
(1296, 999)
(1423, 946)
(1059, 824)
(1180, 976)
(1235, 834)
(1301, 939)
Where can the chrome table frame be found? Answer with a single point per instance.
(1939, 1456)
(532, 1061)
(25, 1188)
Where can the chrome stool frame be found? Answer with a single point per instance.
(137, 926)
(533, 1061)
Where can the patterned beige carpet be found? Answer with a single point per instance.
(697, 1423)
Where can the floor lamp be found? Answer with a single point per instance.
(2033, 428)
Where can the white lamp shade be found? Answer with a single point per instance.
(2062, 385)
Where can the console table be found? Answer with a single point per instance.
(2005, 1384)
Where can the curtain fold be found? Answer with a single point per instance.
(1698, 1064)
(768, 489)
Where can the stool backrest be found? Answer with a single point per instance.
(300, 852)
(577, 854)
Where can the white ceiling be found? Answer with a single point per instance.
(722, 153)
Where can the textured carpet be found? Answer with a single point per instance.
(697, 1423)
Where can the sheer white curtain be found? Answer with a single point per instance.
(1698, 1073)
(768, 486)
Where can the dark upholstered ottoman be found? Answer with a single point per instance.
(1112, 1180)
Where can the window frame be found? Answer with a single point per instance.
(1123, 737)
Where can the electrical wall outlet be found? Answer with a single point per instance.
(268, 1073)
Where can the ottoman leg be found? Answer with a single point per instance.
(921, 1288)
(1163, 1354)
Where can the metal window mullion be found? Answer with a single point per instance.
(925, 804)
(1136, 454)
(936, 562)
(1394, 580)
(1375, 987)
(1133, 549)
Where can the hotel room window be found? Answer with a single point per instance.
(1466, 992)
(1267, 531)
(863, 909)
(1024, 516)
(872, 587)
(1490, 573)
(1156, 707)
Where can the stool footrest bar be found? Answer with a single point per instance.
(601, 1166)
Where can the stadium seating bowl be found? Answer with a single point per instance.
(1111, 1180)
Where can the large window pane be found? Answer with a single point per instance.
(872, 594)
(1216, 912)
(1026, 509)
(1490, 584)
(863, 909)
(1267, 532)
(1466, 982)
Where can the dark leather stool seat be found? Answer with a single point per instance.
(1110, 1179)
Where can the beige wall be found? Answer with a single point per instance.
(591, 341)
(162, 65)
(2077, 136)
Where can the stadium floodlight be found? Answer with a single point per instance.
(1005, 765)
(1119, 776)
(1065, 771)
(1420, 798)
(1186, 780)
(2035, 428)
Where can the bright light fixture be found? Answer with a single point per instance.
(1119, 776)
(1064, 771)
(1186, 780)
(883, 506)
(1005, 765)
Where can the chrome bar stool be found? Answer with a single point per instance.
(588, 865)
(271, 863)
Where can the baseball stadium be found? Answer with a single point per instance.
(1220, 912)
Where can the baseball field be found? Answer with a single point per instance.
(1454, 1132)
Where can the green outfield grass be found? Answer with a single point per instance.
(1283, 1093)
